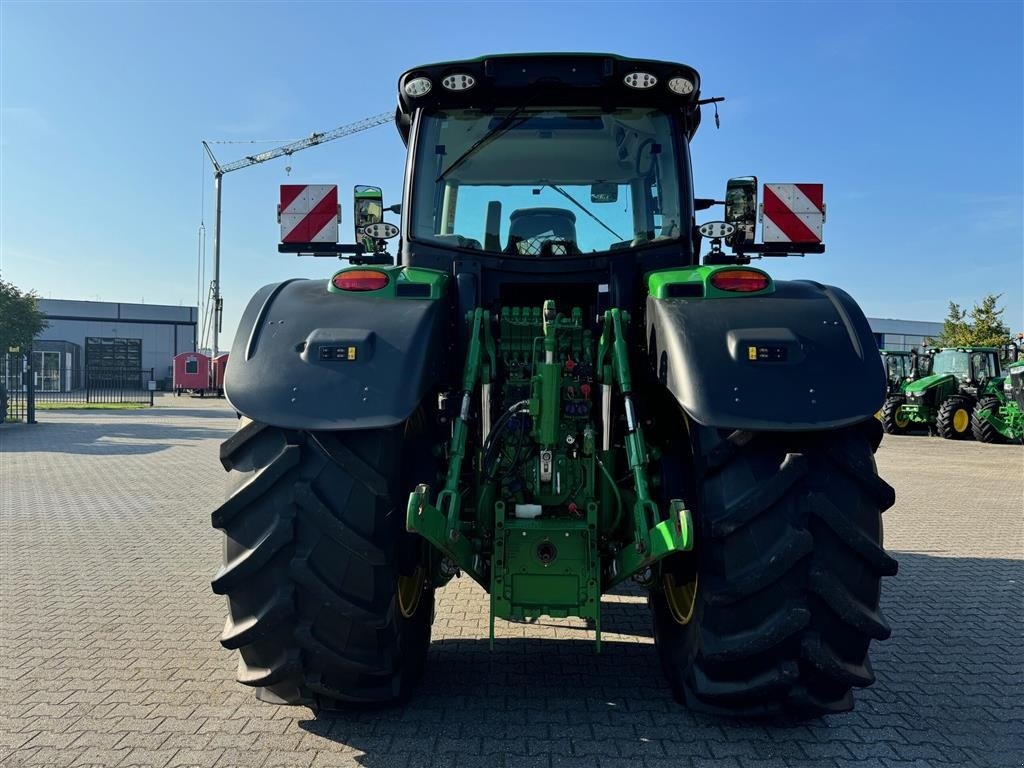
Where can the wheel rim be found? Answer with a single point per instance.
(900, 419)
(960, 420)
(680, 600)
(410, 590)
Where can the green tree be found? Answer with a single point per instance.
(20, 318)
(983, 326)
(955, 329)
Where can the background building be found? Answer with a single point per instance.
(902, 334)
(95, 335)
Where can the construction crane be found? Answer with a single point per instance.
(313, 140)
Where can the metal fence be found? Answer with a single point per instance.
(29, 388)
(96, 385)
(14, 397)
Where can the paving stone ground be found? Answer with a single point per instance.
(109, 652)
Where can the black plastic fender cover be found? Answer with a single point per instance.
(801, 358)
(305, 358)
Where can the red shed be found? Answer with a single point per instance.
(191, 372)
(219, 365)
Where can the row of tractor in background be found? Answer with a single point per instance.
(956, 392)
(199, 375)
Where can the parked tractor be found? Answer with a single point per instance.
(552, 393)
(998, 416)
(901, 368)
(954, 380)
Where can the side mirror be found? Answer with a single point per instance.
(604, 192)
(741, 209)
(369, 208)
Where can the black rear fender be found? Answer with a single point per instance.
(304, 358)
(800, 358)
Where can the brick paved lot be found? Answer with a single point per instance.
(109, 653)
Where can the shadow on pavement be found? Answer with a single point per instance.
(220, 412)
(948, 689)
(102, 439)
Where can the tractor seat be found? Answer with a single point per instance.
(530, 228)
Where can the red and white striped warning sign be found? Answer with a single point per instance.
(308, 213)
(793, 213)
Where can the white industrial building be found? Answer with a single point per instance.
(902, 334)
(110, 335)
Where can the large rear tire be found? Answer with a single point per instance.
(953, 420)
(893, 421)
(328, 603)
(774, 610)
(983, 430)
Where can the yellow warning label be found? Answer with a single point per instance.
(751, 353)
(351, 353)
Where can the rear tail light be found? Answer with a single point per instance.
(739, 280)
(360, 280)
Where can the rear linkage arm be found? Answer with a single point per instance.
(654, 538)
(441, 525)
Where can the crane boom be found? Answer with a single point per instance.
(310, 141)
(219, 170)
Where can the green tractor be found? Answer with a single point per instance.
(552, 395)
(901, 368)
(954, 380)
(998, 416)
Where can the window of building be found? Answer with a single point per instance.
(113, 353)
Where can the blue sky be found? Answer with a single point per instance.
(911, 114)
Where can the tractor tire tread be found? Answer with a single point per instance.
(257, 486)
(816, 652)
(230, 446)
(310, 573)
(786, 634)
(791, 547)
(888, 415)
(250, 561)
(983, 430)
(944, 417)
(755, 640)
(262, 621)
(758, 499)
(867, 548)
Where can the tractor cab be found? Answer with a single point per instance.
(570, 166)
(972, 367)
(901, 367)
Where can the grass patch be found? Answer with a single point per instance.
(89, 406)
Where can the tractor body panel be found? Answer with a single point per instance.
(308, 357)
(925, 395)
(1007, 417)
(802, 357)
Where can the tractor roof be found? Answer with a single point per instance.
(964, 349)
(550, 79)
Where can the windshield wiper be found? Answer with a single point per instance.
(507, 124)
(579, 205)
